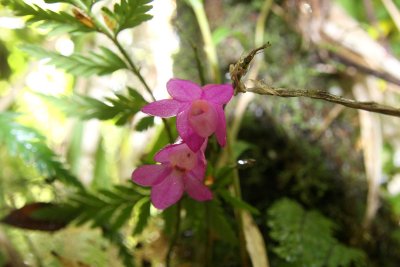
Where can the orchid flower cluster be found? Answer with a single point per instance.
(199, 114)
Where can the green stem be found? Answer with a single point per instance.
(132, 67)
(237, 192)
(198, 63)
(136, 71)
(209, 47)
(239, 114)
(260, 26)
(175, 237)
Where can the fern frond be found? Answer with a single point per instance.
(121, 108)
(30, 146)
(104, 62)
(59, 22)
(305, 238)
(129, 14)
(88, 3)
(107, 209)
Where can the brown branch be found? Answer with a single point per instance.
(264, 89)
(238, 70)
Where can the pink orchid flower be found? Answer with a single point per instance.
(180, 170)
(198, 109)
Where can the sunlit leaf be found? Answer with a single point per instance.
(101, 63)
(143, 214)
(54, 21)
(121, 108)
(129, 13)
(88, 3)
(29, 145)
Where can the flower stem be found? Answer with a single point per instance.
(209, 47)
(175, 237)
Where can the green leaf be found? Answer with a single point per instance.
(142, 209)
(240, 147)
(237, 203)
(223, 176)
(104, 62)
(305, 238)
(120, 107)
(29, 145)
(108, 209)
(123, 216)
(59, 22)
(220, 34)
(88, 3)
(101, 171)
(144, 123)
(170, 216)
(219, 222)
(103, 208)
(129, 13)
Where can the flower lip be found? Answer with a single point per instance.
(203, 118)
(199, 107)
(183, 159)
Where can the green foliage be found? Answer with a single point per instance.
(29, 145)
(3, 259)
(121, 108)
(219, 222)
(170, 216)
(237, 202)
(144, 123)
(142, 209)
(109, 208)
(128, 14)
(305, 238)
(56, 22)
(223, 177)
(104, 62)
(101, 170)
(88, 3)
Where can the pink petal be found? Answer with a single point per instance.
(192, 140)
(162, 108)
(163, 155)
(220, 132)
(168, 192)
(196, 189)
(195, 141)
(149, 175)
(183, 90)
(199, 170)
(218, 93)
